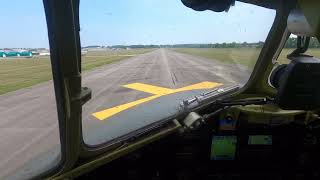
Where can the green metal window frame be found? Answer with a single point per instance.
(65, 49)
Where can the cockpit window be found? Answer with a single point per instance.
(290, 46)
(29, 133)
(142, 58)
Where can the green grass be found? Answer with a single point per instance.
(90, 62)
(17, 73)
(283, 55)
(244, 56)
(130, 52)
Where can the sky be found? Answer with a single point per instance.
(127, 22)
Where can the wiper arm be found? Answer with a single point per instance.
(206, 98)
(215, 99)
(222, 105)
(244, 102)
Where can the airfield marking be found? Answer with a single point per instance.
(155, 90)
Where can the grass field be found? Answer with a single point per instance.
(244, 56)
(283, 56)
(17, 73)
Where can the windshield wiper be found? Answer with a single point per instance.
(206, 98)
(186, 107)
(187, 116)
(225, 104)
(216, 100)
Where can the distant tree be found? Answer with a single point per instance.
(314, 43)
(291, 43)
(260, 44)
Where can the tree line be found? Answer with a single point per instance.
(291, 43)
(215, 45)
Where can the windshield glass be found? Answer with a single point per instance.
(141, 58)
(291, 45)
(29, 132)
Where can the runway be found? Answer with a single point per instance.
(126, 95)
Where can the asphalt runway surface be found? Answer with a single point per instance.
(127, 95)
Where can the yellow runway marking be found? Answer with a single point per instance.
(149, 88)
(156, 91)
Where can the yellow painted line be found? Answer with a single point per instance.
(101, 115)
(165, 91)
(155, 90)
(149, 88)
(202, 85)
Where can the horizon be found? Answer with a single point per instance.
(96, 45)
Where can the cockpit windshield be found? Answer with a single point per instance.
(142, 58)
(29, 130)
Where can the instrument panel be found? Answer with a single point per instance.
(252, 142)
(259, 136)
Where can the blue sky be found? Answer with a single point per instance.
(111, 22)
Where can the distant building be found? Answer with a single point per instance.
(84, 52)
(2, 54)
(15, 53)
(43, 52)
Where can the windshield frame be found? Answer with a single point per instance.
(109, 146)
(65, 14)
(258, 82)
(70, 126)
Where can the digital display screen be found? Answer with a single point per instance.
(260, 140)
(227, 125)
(223, 147)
